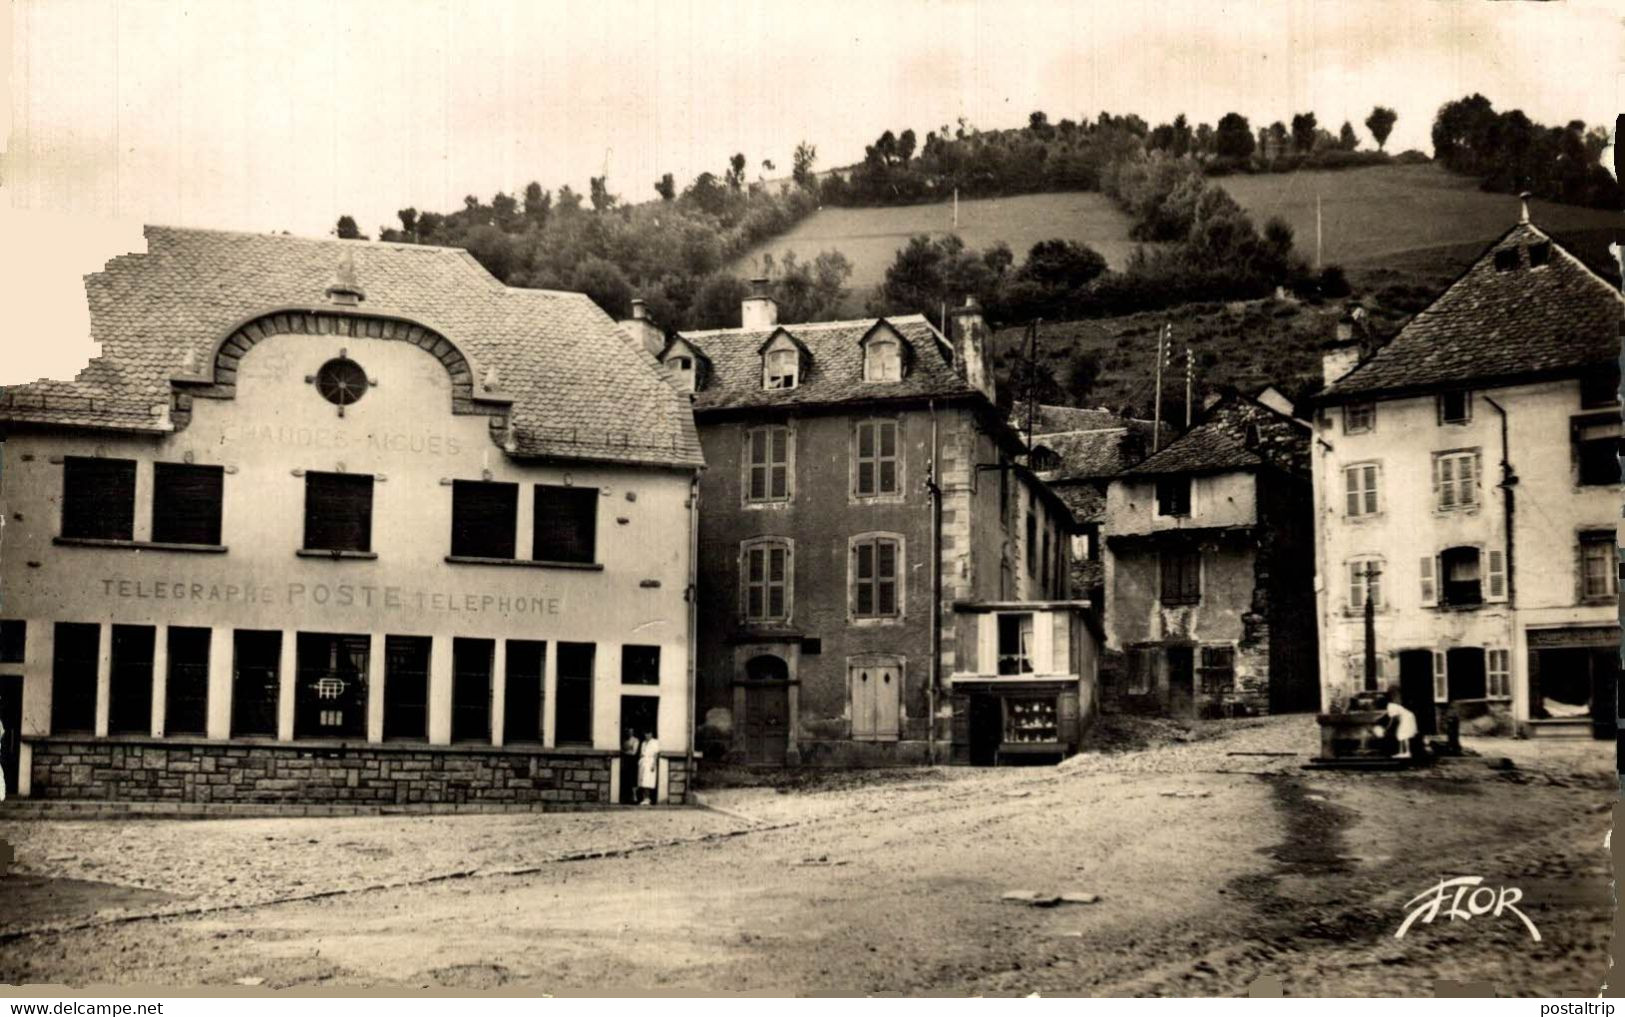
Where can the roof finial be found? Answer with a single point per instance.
(1524, 198)
(491, 381)
(344, 288)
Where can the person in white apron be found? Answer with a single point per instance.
(648, 769)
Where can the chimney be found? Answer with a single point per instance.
(759, 310)
(967, 331)
(1348, 348)
(1523, 216)
(643, 330)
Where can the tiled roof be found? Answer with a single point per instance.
(1219, 442)
(1055, 419)
(1100, 453)
(833, 372)
(580, 389)
(1492, 324)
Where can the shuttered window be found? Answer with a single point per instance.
(1365, 580)
(338, 512)
(572, 719)
(566, 524)
(484, 519)
(129, 680)
(1216, 671)
(767, 471)
(406, 687)
(1498, 674)
(766, 569)
(186, 503)
(471, 689)
(98, 498)
(877, 458)
(186, 691)
(1181, 577)
(1598, 565)
(1455, 479)
(874, 580)
(73, 677)
(1360, 489)
(522, 691)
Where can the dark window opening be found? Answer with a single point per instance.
(566, 524)
(330, 697)
(98, 498)
(1181, 577)
(1599, 386)
(186, 693)
(73, 677)
(484, 519)
(1506, 259)
(1015, 644)
(640, 665)
(1597, 452)
(186, 503)
(522, 691)
(471, 689)
(1539, 254)
(572, 721)
(129, 680)
(1455, 407)
(338, 512)
(1174, 496)
(255, 683)
(1461, 579)
(406, 687)
(13, 641)
(1216, 673)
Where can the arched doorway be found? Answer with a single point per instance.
(767, 709)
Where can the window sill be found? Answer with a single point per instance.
(138, 545)
(311, 552)
(467, 559)
(873, 621)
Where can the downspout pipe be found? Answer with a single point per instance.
(934, 490)
(693, 598)
(1509, 480)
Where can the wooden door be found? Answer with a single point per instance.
(876, 702)
(1181, 681)
(11, 715)
(767, 723)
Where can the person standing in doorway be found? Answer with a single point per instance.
(648, 768)
(629, 766)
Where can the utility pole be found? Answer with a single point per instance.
(956, 208)
(1370, 573)
(1032, 383)
(1317, 231)
(1156, 416)
(1190, 380)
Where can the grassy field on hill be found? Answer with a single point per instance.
(871, 237)
(1369, 217)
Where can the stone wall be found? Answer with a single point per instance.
(138, 770)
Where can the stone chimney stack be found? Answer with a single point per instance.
(968, 332)
(759, 310)
(643, 330)
(1345, 351)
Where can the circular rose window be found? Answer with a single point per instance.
(341, 381)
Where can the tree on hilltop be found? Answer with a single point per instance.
(1381, 123)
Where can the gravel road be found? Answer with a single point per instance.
(1209, 869)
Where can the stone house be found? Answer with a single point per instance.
(1467, 483)
(862, 485)
(335, 521)
(1210, 569)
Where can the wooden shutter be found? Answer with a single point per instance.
(186, 503)
(1497, 576)
(1430, 586)
(98, 498)
(776, 582)
(756, 468)
(886, 451)
(338, 512)
(566, 524)
(484, 519)
(779, 479)
(1441, 682)
(866, 458)
(886, 577)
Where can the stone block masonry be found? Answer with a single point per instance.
(138, 770)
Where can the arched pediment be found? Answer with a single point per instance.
(469, 395)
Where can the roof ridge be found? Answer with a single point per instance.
(805, 326)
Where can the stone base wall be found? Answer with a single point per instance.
(131, 770)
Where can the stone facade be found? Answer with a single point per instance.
(201, 773)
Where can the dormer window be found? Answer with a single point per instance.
(883, 361)
(781, 367)
(683, 366)
(1540, 254)
(1506, 259)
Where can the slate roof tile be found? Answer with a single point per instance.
(580, 390)
(1491, 325)
(1219, 442)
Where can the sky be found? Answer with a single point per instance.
(284, 115)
